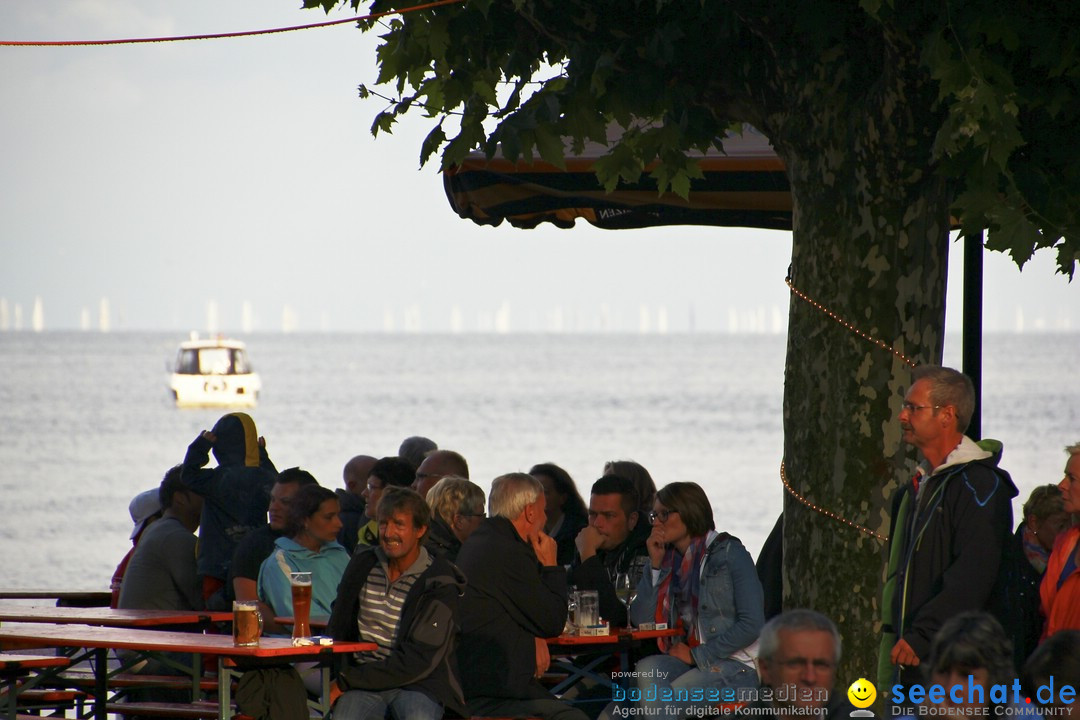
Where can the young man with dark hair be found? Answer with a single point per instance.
(608, 546)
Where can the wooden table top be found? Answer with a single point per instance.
(109, 616)
(81, 598)
(16, 635)
(614, 636)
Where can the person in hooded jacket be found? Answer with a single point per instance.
(949, 525)
(404, 600)
(236, 494)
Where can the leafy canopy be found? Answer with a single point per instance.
(532, 78)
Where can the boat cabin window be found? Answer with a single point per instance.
(187, 362)
(240, 362)
(215, 361)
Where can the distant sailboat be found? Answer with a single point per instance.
(37, 316)
(104, 323)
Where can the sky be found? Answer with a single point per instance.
(234, 185)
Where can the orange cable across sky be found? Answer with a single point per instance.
(217, 36)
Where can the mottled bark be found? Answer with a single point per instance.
(871, 245)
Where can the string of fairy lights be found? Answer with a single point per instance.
(872, 340)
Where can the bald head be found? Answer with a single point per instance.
(356, 473)
(437, 465)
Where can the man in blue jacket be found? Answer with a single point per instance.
(949, 524)
(236, 495)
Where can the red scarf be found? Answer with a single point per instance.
(680, 588)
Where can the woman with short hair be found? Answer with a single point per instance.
(704, 584)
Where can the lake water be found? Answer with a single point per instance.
(86, 421)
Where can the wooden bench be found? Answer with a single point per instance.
(84, 678)
(194, 711)
(15, 666)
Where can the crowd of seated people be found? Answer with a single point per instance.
(459, 591)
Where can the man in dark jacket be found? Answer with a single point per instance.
(236, 494)
(608, 548)
(949, 524)
(516, 596)
(406, 602)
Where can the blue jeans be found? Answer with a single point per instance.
(656, 674)
(400, 704)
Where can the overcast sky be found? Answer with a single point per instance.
(170, 178)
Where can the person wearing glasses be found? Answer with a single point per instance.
(387, 472)
(799, 650)
(949, 525)
(457, 508)
(702, 583)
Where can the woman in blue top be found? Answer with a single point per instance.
(703, 583)
(309, 544)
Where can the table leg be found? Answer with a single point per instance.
(224, 690)
(101, 682)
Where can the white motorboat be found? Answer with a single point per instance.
(213, 372)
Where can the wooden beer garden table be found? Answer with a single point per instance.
(71, 639)
(620, 641)
(74, 598)
(111, 617)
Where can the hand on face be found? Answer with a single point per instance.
(544, 547)
(656, 545)
(587, 542)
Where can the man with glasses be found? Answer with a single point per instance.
(949, 525)
(387, 472)
(457, 509)
(437, 465)
(798, 652)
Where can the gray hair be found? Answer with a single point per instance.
(512, 493)
(949, 387)
(1073, 449)
(454, 495)
(795, 621)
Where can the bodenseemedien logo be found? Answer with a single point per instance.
(973, 699)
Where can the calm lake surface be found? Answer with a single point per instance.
(87, 422)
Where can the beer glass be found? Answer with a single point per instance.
(247, 623)
(301, 604)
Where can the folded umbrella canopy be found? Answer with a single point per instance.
(745, 186)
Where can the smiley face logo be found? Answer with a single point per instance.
(861, 693)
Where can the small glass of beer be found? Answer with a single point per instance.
(301, 604)
(247, 623)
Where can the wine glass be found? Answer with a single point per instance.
(625, 591)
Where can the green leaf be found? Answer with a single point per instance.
(550, 146)
(431, 144)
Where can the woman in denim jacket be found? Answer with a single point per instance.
(705, 584)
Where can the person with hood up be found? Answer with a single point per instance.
(236, 494)
(949, 525)
(404, 600)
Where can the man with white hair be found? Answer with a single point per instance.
(516, 596)
(798, 651)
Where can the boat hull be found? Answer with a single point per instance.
(231, 391)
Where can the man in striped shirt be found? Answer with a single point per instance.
(405, 601)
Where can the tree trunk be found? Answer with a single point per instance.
(871, 246)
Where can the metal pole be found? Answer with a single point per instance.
(973, 321)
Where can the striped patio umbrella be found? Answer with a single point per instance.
(743, 187)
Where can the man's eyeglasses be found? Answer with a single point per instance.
(912, 407)
(661, 515)
(798, 663)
